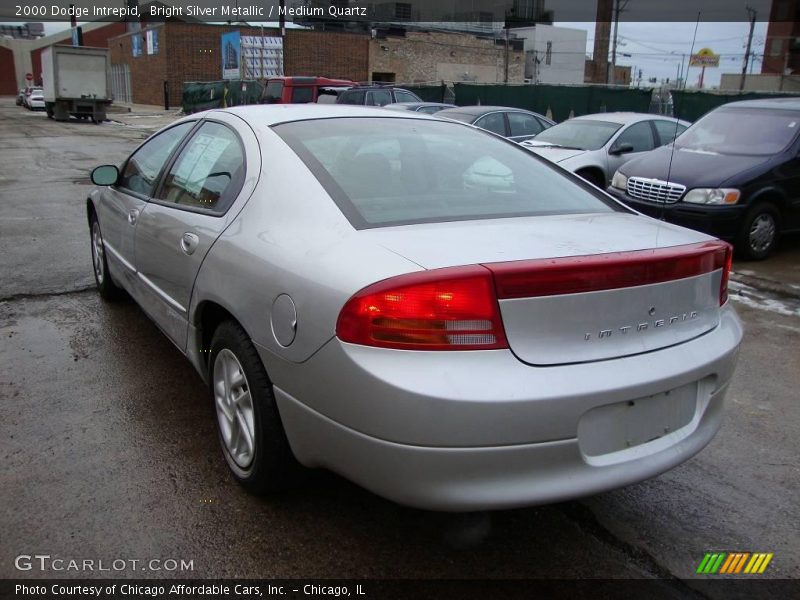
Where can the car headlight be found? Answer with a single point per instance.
(619, 181)
(712, 196)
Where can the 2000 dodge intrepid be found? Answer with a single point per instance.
(421, 306)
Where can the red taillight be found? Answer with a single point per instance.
(596, 272)
(726, 273)
(442, 309)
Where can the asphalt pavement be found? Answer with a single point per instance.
(109, 450)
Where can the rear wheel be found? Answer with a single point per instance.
(105, 285)
(250, 431)
(759, 233)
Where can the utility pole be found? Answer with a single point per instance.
(691, 52)
(618, 8)
(752, 13)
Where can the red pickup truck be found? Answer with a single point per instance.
(299, 89)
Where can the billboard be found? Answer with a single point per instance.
(231, 55)
(704, 58)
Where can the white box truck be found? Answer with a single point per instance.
(76, 81)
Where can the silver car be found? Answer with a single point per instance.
(595, 146)
(416, 304)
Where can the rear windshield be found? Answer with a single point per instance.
(384, 171)
(273, 91)
(748, 131)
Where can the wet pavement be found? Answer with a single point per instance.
(109, 449)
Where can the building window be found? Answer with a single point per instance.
(548, 55)
(776, 48)
(136, 44)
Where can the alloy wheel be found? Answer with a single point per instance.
(234, 405)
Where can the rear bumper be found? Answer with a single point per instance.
(481, 430)
(723, 222)
(484, 478)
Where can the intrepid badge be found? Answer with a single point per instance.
(645, 326)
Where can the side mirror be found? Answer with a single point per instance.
(621, 149)
(105, 175)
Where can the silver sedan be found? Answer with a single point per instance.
(595, 146)
(423, 307)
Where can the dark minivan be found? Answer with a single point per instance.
(734, 174)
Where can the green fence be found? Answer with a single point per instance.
(205, 95)
(429, 93)
(562, 101)
(693, 105)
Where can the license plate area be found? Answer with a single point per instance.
(633, 423)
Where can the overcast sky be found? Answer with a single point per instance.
(656, 48)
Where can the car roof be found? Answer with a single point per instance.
(621, 118)
(482, 109)
(419, 104)
(272, 114)
(791, 103)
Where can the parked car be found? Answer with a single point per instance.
(21, 97)
(440, 316)
(513, 123)
(298, 89)
(427, 108)
(595, 146)
(376, 95)
(734, 174)
(34, 99)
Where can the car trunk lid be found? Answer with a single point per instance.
(576, 288)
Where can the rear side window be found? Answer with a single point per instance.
(209, 171)
(143, 167)
(301, 95)
(494, 122)
(384, 171)
(667, 131)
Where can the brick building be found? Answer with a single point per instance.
(192, 52)
(427, 56)
(782, 48)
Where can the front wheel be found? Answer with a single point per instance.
(759, 233)
(250, 431)
(105, 286)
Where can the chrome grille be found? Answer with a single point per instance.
(654, 190)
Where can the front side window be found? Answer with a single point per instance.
(356, 97)
(403, 96)
(273, 92)
(522, 124)
(638, 135)
(383, 171)
(494, 122)
(209, 171)
(143, 167)
(379, 98)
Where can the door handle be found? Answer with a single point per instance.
(132, 216)
(189, 242)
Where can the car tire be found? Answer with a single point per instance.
(105, 285)
(759, 233)
(249, 425)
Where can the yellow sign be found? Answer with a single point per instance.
(705, 57)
